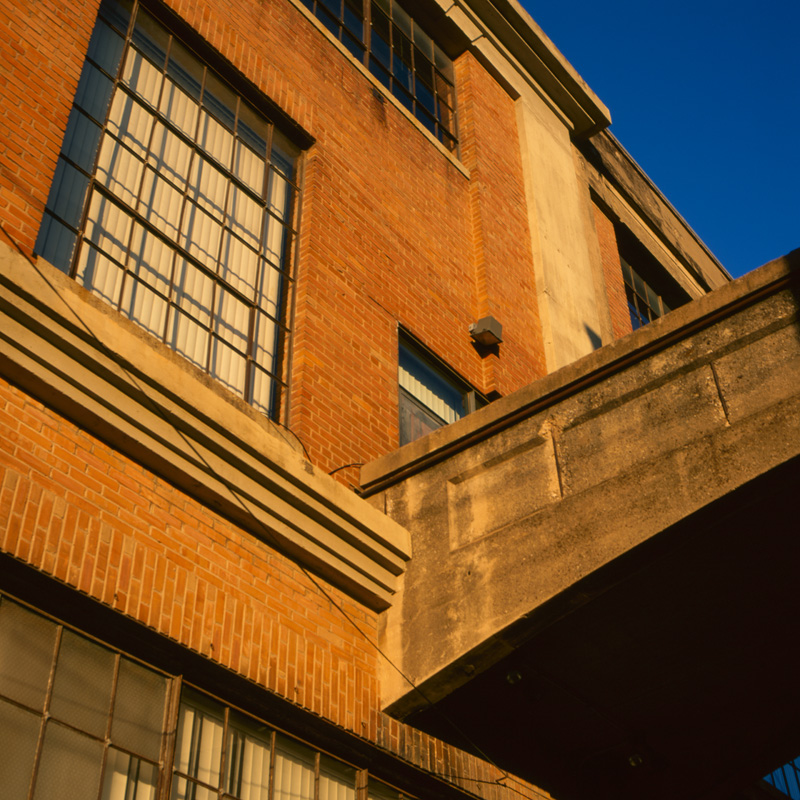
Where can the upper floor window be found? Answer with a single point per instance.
(172, 200)
(403, 57)
(644, 304)
(431, 395)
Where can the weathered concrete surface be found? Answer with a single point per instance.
(519, 512)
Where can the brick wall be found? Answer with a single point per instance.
(92, 519)
(612, 271)
(392, 231)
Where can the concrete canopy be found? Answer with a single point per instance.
(602, 594)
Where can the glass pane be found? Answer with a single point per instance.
(82, 685)
(117, 12)
(128, 778)
(189, 339)
(270, 293)
(151, 259)
(69, 768)
(81, 140)
(265, 341)
(239, 266)
(19, 733)
(119, 170)
(220, 100)
(160, 203)
(253, 129)
(401, 19)
(183, 789)
(105, 48)
(247, 771)
(99, 274)
(142, 77)
(249, 167)
(430, 387)
(199, 745)
(215, 139)
(170, 156)
(337, 781)
(108, 226)
(294, 771)
(94, 92)
(55, 243)
(150, 38)
(201, 235)
(245, 216)
(144, 307)
(185, 70)
(209, 187)
(228, 367)
(68, 193)
(194, 291)
(262, 390)
(232, 323)
(423, 42)
(130, 122)
(27, 642)
(180, 108)
(139, 709)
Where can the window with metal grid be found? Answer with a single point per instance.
(404, 58)
(172, 200)
(82, 721)
(644, 304)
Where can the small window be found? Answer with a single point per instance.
(649, 288)
(431, 395)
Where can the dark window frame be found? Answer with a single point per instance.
(401, 55)
(64, 232)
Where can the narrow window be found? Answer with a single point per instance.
(172, 201)
(430, 394)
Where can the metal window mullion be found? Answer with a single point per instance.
(169, 738)
(46, 712)
(223, 758)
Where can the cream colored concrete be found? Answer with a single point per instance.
(565, 285)
(510, 507)
(86, 361)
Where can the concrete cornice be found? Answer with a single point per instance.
(87, 362)
(576, 377)
(513, 32)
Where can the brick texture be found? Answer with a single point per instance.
(612, 271)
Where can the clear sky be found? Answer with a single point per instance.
(705, 95)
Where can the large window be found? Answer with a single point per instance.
(431, 395)
(403, 57)
(81, 721)
(172, 200)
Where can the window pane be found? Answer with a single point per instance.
(128, 778)
(94, 93)
(139, 709)
(70, 764)
(99, 274)
(199, 746)
(119, 170)
(142, 77)
(294, 771)
(194, 292)
(144, 307)
(27, 642)
(337, 781)
(108, 226)
(81, 140)
(150, 259)
(68, 193)
(83, 682)
(19, 732)
(239, 266)
(248, 761)
(189, 339)
(105, 48)
(56, 243)
(170, 156)
(160, 203)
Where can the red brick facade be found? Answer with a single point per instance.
(612, 272)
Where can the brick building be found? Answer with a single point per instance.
(248, 247)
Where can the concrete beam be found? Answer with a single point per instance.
(513, 505)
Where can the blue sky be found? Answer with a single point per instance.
(705, 95)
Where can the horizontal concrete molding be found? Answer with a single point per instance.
(86, 361)
(513, 506)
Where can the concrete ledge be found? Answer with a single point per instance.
(86, 361)
(514, 505)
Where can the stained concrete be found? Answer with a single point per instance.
(525, 513)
